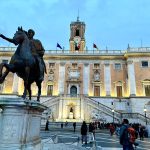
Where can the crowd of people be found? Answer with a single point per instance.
(88, 131)
(136, 129)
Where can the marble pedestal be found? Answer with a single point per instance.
(20, 122)
(70, 115)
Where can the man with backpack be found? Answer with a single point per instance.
(127, 135)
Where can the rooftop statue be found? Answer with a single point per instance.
(27, 61)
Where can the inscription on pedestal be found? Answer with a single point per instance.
(10, 132)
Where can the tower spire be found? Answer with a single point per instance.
(78, 16)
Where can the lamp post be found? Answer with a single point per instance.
(145, 110)
(113, 114)
(98, 108)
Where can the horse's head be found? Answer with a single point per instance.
(19, 36)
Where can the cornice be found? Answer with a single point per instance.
(136, 54)
(6, 54)
(83, 57)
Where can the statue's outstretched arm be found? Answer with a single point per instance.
(7, 39)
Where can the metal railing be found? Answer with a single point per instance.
(139, 49)
(105, 109)
(50, 102)
(131, 49)
(139, 116)
(93, 52)
(118, 115)
(99, 106)
(9, 49)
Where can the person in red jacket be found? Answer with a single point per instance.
(111, 129)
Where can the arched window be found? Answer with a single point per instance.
(73, 91)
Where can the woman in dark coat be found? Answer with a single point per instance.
(84, 132)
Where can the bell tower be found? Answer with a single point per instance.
(77, 38)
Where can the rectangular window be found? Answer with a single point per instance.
(74, 65)
(119, 91)
(77, 32)
(50, 90)
(144, 63)
(51, 65)
(147, 90)
(96, 90)
(117, 66)
(96, 66)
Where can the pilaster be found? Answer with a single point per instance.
(86, 79)
(107, 79)
(131, 78)
(61, 78)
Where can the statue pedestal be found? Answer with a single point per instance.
(20, 122)
(70, 115)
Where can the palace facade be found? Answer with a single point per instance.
(85, 84)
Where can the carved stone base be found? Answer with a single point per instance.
(70, 115)
(20, 122)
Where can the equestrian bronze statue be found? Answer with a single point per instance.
(27, 64)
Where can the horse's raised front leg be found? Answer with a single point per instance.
(38, 83)
(3, 75)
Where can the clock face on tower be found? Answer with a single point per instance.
(77, 41)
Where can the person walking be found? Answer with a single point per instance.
(46, 127)
(141, 133)
(74, 126)
(111, 129)
(91, 134)
(84, 132)
(124, 136)
(62, 125)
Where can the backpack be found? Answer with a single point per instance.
(129, 135)
(132, 134)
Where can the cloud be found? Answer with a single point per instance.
(107, 21)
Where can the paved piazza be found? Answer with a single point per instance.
(103, 139)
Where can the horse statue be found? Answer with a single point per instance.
(23, 63)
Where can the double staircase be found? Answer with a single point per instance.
(118, 116)
(108, 112)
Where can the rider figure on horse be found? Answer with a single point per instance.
(37, 50)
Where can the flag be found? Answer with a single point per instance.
(77, 45)
(94, 46)
(59, 46)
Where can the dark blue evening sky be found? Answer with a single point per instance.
(111, 23)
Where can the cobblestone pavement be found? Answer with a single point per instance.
(103, 140)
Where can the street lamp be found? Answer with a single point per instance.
(113, 114)
(145, 110)
(1, 110)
